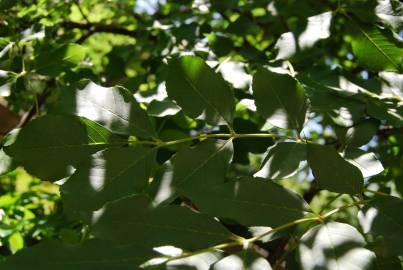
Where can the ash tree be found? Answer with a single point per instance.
(208, 134)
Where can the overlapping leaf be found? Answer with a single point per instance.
(377, 50)
(201, 167)
(332, 172)
(246, 199)
(334, 246)
(133, 220)
(291, 43)
(48, 146)
(279, 98)
(383, 218)
(112, 107)
(282, 160)
(368, 164)
(199, 90)
(52, 62)
(108, 175)
(94, 254)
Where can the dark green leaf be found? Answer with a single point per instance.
(343, 112)
(48, 146)
(199, 90)
(133, 220)
(162, 108)
(332, 172)
(382, 217)
(113, 107)
(389, 111)
(94, 254)
(109, 175)
(7, 164)
(358, 135)
(334, 246)
(246, 199)
(280, 99)
(52, 62)
(202, 166)
(282, 160)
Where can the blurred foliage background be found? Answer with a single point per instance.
(127, 42)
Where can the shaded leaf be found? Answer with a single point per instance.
(113, 107)
(162, 108)
(7, 163)
(359, 134)
(109, 175)
(132, 220)
(94, 254)
(279, 98)
(252, 202)
(332, 172)
(383, 218)
(199, 91)
(202, 166)
(343, 112)
(282, 160)
(334, 246)
(389, 111)
(48, 146)
(54, 61)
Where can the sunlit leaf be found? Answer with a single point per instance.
(334, 246)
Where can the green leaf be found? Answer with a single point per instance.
(162, 108)
(344, 112)
(280, 99)
(291, 43)
(325, 81)
(332, 172)
(246, 199)
(282, 160)
(7, 4)
(382, 217)
(54, 61)
(389, 111)
(48, 146)
(359, 134)
(94, 254)
(112, 107)
(376, 49)
(133, 220)
(7, 163)
(199, 91)
(368, 164)
(334, 246)
(244, 260)
(202, 166)
(109, 175)
(224, 4)
(16, 242)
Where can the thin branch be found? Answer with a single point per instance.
(93, 28)
(239, 241)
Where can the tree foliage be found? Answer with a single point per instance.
(204, 134)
